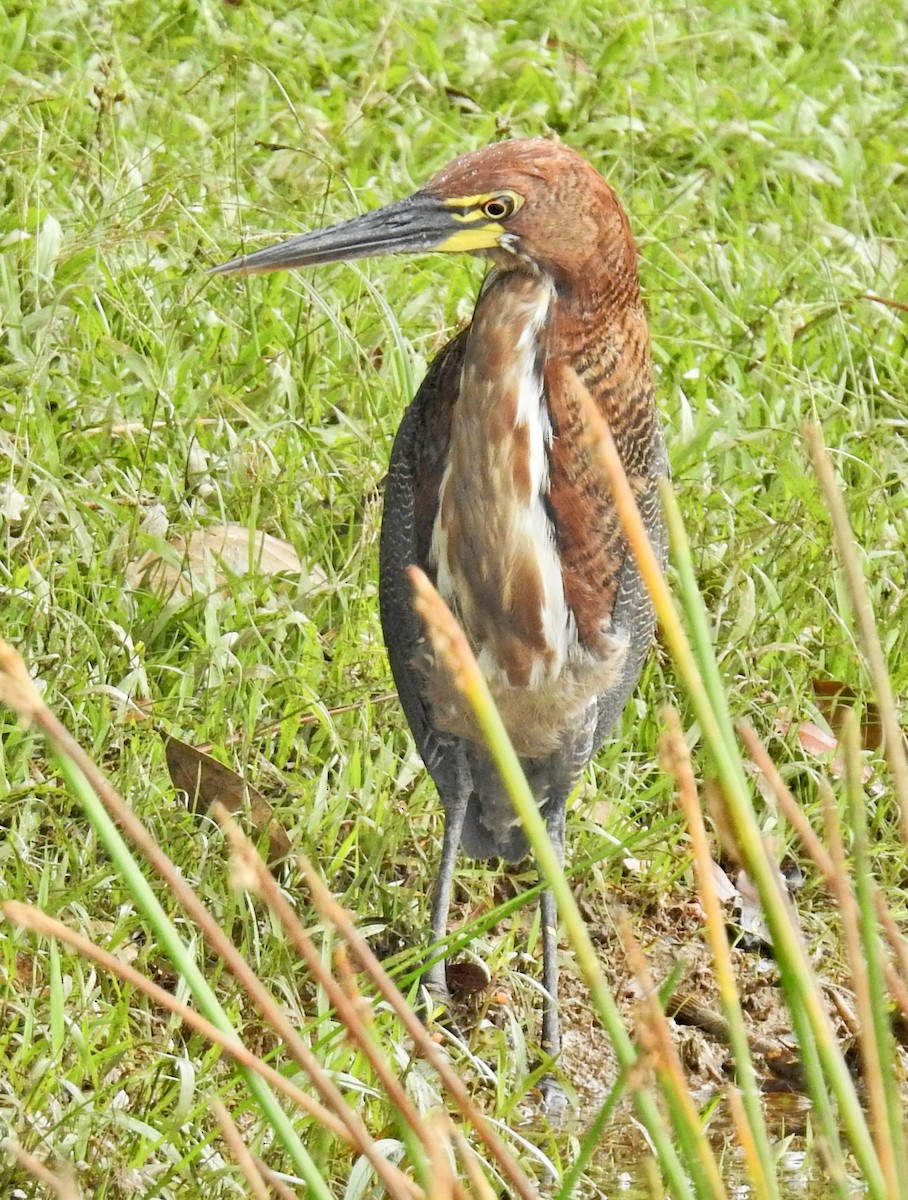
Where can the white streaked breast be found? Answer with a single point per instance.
(480, 533)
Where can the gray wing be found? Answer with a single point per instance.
(417, 463)
(633, 610)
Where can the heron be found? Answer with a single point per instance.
(496, 492)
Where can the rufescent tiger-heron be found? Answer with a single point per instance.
(496, 492)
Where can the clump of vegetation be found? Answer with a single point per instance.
(151, 418)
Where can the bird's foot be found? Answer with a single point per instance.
(438, 995)
(435, 982)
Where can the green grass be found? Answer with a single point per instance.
(761, 152)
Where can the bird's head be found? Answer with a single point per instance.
(529, 204)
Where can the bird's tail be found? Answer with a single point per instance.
(493, 831)
(491, 827)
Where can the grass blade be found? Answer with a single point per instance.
(866, 954)
(893, 738)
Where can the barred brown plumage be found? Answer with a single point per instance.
(495, 491)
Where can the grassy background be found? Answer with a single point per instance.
(761, 151)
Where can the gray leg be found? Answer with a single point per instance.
(551, 1028)
(551, 1025)
(434, 978)
(554, 1099)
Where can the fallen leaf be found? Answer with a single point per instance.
(207, 781)
(755, 933)
(835, 699)
(211, 556)
(784, 1063)
(754, 930)
(462, 101)
(819, 743)
(725, 889)
(792, 874)
(814, 740)
(466, 978)
(138, 709)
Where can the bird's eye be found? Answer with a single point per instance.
(499, 208)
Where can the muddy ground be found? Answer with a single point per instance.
(670, 931)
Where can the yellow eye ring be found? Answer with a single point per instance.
(499, 208)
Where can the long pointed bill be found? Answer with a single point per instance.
(418, 224)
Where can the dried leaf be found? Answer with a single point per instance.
(834, 699)
(466, 978)
(755, 933)
(205, 562)
(688, 1010)
(725, 889)
(784, 1063)
(814, 740)
(207, 781)
(819, 743)
(462, 101)
(751, 922)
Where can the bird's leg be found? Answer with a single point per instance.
(554, 1099)
(551, 1025)
(455, 810)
